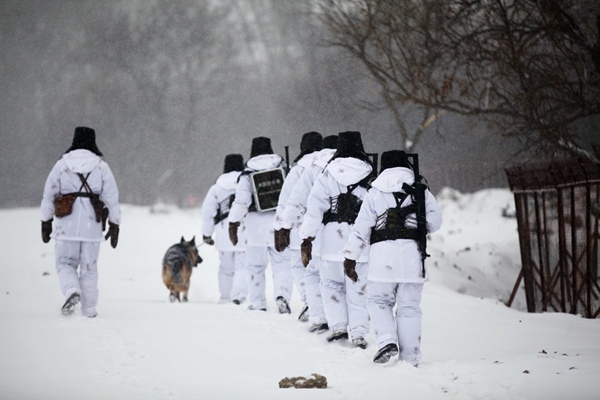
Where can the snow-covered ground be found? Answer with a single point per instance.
(143, 347)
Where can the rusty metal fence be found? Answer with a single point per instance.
(558, 209)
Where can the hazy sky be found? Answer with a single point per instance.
(174, 87)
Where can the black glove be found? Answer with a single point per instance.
(233, 228)
(350, 269)
(306, 250)
(46, 230)
(282, 239)
(113, 234)
(208, 240)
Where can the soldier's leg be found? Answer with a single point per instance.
(408, 321)
(88, 277)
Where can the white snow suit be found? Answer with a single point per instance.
(345, 301)
(260, 246)
(292, 217)
(78, 236)
(298, 270)
(233, 282)
(395, 266)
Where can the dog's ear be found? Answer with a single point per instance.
(193, 241)
(182, 240)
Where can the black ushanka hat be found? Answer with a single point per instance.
(311, 142)
(350, 145)
(84, 138)
(330, 142)
(261, 145)
(393, 159)
(233, 162)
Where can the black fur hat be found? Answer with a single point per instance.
(311, 142)
(84, 138)
(393, 159)
(233, 162)
(330, 142)
(350, 145)
(261, 145)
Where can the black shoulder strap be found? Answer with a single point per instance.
(352, 187)
(403, 212)
(84, 183)
(400, 197)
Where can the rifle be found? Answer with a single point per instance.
(374, 159)
(287, 160)
(417, 192)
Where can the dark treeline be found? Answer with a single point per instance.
(172, 87)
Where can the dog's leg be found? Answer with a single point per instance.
(185, 292)
(186, 286)
(172, 297)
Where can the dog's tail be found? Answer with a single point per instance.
(171, 272)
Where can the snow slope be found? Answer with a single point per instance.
(143, 347)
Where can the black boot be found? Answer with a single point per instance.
(360, 342)
(283, 306)
(319, 327)
(337, 335)
(70, 304)
(303, 317)
(384, 354)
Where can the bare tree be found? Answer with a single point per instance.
(529, 67)
(393, 40)
(168, 57)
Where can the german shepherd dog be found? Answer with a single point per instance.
(177, 268)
